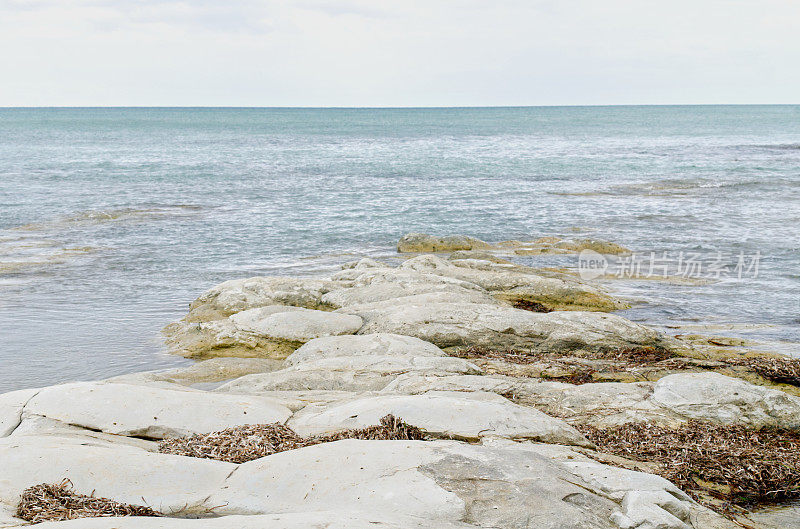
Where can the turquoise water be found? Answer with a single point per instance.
(113, 220)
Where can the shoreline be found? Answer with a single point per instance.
(530, 358)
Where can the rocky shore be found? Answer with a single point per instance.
(515, 376)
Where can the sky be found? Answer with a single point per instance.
(397, 53)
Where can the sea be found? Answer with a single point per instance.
(112, 220)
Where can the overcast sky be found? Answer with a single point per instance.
(398, 53)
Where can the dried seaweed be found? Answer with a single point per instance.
(572, 367)
(780, 370)
(234, 445)
(533, 306)
(633, 357)
(390, 428)
(246, 443)
(57, 502)
(738, 465)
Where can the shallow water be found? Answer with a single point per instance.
(113, 220)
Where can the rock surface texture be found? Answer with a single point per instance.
(327, 356)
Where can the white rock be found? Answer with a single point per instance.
(652, 510)
(616, 482)
(374, 285)
(422, 242)
(347, 373)
(433, 480)
(605, 404)
(459, 324)
(297, 400)
(149, 411)
(220, 338)
(11, 405)
(237, 295)
(165, 482)
(520, 283)
(304, 520)
(420, 299)
(453, 414)
(363, 263)
(7, 518)
(715, 397)
(37, 425)
(414, 384)
(369, 344)
(351, 475)
(294, 324)
(207, 371)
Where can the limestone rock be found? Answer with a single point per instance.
(297, 400)
(652, 510)
(434, 480)
(151, 412)
(511, 284)
(449, 414)
(605, 404)
(364, 263)
(294, 324)
(557, 245)
(7, 518)
(422, 242)
(463, 324)
(383, 344)
(373, 285)
(11, 406)
(237, 295)
(300, 520)
(343, 373)
(221, 338)
(165, 482)
(520, 388)
(726, 400)
(37, 425)
(206, 371)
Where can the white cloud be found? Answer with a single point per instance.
(374, 53)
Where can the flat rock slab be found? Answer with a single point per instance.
(441, 481)
(11, 406)
(520, 284)
(422, 242)
(221, 338)
(167, 483)
(206, 371)
(237, 295)
(451, 414)
(464, 324)
(303, 520)
(151, 412)
(348, 373)
(382, 284)
(294, 324)
(383, 344)
(414, 384)
(726, 400)
(297, 400)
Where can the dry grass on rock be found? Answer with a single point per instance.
(249, 442)
(737, 465)
(57, 502)
(577, 368)
(533, 306)
(780, 370)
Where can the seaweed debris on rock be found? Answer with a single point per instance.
(253, 441)
(57, 502)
